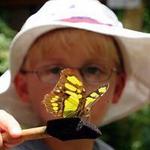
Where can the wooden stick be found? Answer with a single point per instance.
(29, 134)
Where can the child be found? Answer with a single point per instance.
(83, 35)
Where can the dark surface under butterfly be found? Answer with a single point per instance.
(68, 101)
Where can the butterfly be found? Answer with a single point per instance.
(68, 98)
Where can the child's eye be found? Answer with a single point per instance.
(50, 74)
(94, 74)
(91, 70)
(55, 70)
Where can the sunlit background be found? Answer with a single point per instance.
(131, 133)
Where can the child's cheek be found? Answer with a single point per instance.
(102, 106)
(36, 92)
(100, 109)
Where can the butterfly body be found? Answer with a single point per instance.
(68, 98)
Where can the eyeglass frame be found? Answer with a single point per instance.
(37, 72)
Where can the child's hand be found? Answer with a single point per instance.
(10, 126)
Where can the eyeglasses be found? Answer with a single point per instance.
(91, 74)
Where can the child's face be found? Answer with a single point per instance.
(78, 51)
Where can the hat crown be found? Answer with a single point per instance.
(73, 11)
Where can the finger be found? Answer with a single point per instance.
(9, 124)
(1, 141)
(12, 143)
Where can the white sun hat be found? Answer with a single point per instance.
(89, 15)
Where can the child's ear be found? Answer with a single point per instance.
(20, 83)
(120, 83)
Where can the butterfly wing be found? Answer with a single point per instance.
(64, 99)
(93, 97)
(53, 103)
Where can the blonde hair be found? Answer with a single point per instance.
(68, 38)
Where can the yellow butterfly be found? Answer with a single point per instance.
(68, 98)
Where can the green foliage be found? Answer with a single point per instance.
(132, 133)
(142, 125)
(146, 20)
(6, 35)
(119, 13)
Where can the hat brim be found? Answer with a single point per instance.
(135, 49)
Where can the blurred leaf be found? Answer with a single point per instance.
(6, 35)
(146, 20)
